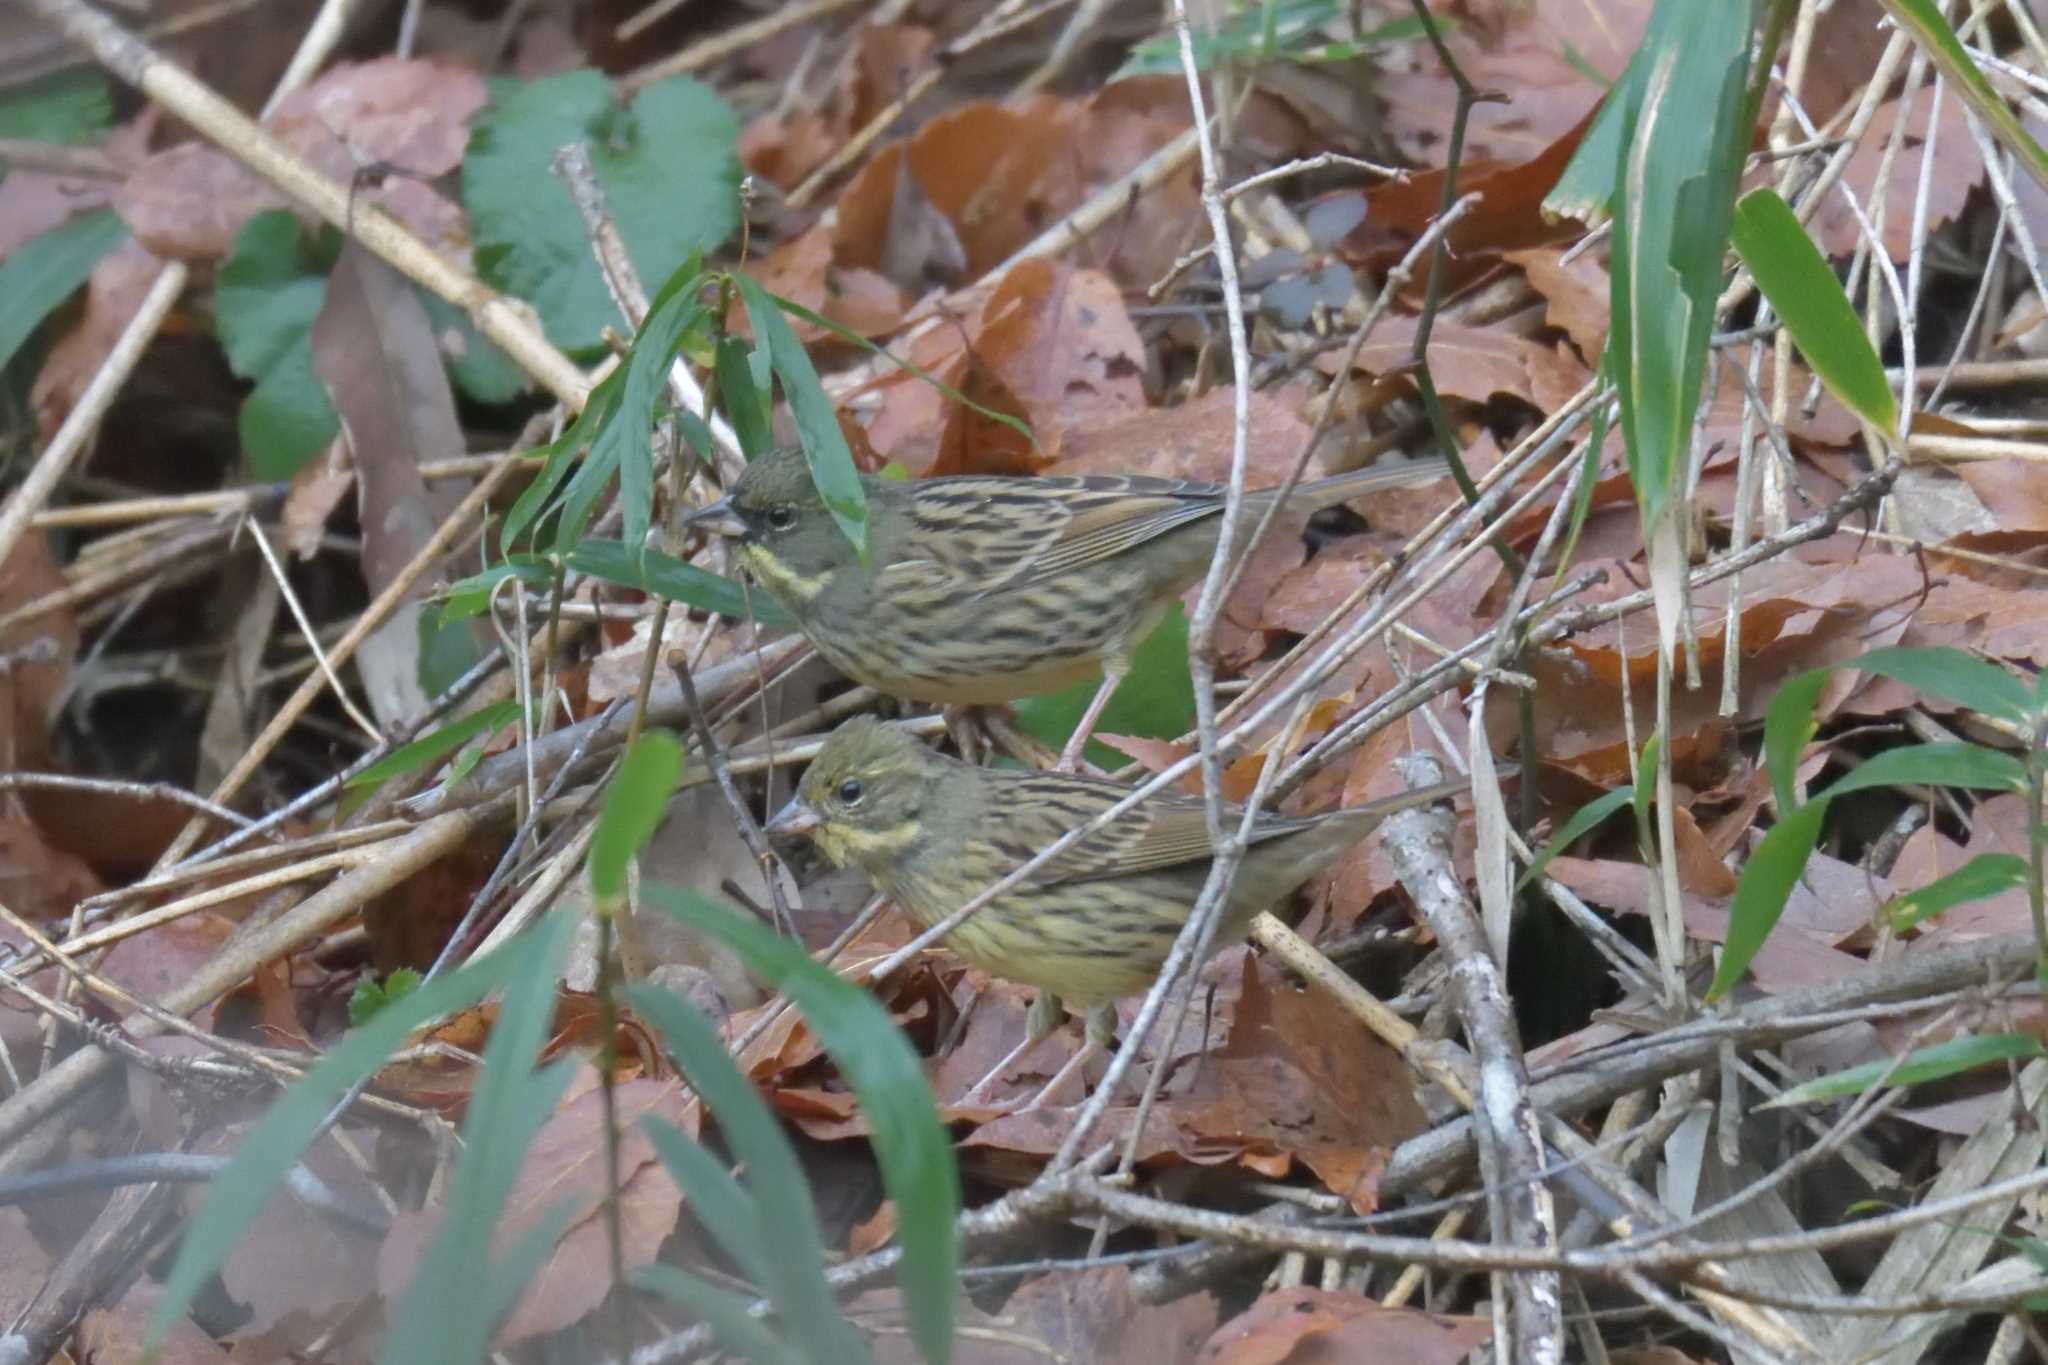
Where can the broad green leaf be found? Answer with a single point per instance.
(372, 995)
(1582, 823)
(911, 1145)
(1919, 1066)
(70, 107)
(1810, 301)
(270, 290)
(1953, 675)
(511, 1101)
(435, 743)
(634, 803)
(482, 371)
(1157, 699)
(280, 1137)
(43, 273)
(448, 650)
(1766, 883)
(1946, 764)
(793, 1261)
(668, 163)
(1984, 876)
(661, 575)
(825, 446)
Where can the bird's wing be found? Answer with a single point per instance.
(1004, 533)
(1029, 811)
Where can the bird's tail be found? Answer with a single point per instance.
(1321, 493)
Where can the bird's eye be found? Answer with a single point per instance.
(781, 518)
(851, 791)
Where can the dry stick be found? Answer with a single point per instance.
(55, 461)
(1510, 1141)
(719, 45)
(1228, 843)
(133, 791)
(252, 946)
(854, 147)
(176, 549)
(372, 616)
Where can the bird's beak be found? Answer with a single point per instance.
(718, 518)
(794, 818)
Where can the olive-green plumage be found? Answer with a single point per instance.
(984, 589)
(1097, 922)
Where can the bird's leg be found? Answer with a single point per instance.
(1040, 1020)
(1070, 757)
(964, 726)
(1100, 1036)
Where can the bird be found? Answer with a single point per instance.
(1093, 925)
(982, 588)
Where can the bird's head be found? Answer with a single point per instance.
(785, 533)
(862, 800)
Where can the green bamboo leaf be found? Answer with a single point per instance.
(911, 1145)
(435, 743)
(661, 575)
(43, 272)
(280, 1137)
(512, 1099)
(1582, 823)
(1681, 151)
(1946, 764)
(471, 596)
(1919, 1066)
(741, 1333)
(1766, 883)
(634, 803)
(1952, 674)
(1811, 303)
(1924, 20)
(743, 389)
(1788, 725)
(824, 443)
(794, 1269)
(853, 338)
(1984, 876)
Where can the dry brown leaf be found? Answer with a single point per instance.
(566, 1162)
(1532, 54)
(1955, 171)
(411, 116)
(1474, 363)
(113, 293)
(1056, 349)
(374, 349)
(1192, 440)
(115, 1336)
